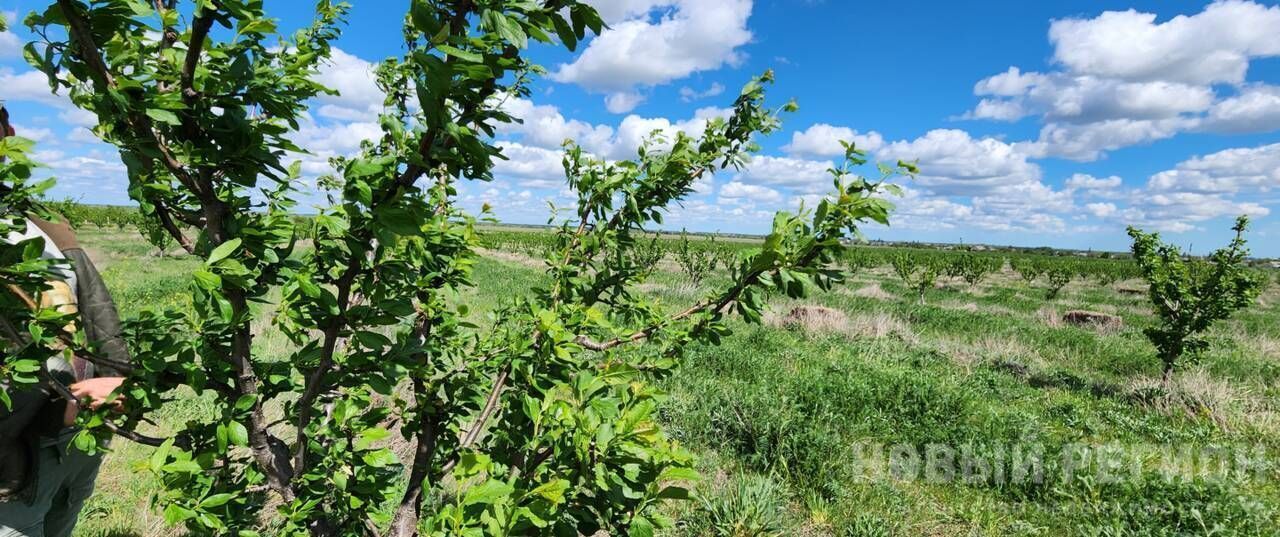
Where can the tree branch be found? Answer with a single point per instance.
(473, 433)
(199, 33)
(82, 36)
(715, 306)
(312, 386)
(166, 220)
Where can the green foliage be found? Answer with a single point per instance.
(79, 215)
(31, 334)
(543, 422)
(1059, 276)
(974, 268)
(1189, 295)
(777, 402)
(1026, 268)
(917, 273)
(696, 261)
(156, 235)
(647, 254)
(752, 506)
(858, 259)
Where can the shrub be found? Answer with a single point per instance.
(858, 260)
(156, 235)
(1189, 295)
(647, 254)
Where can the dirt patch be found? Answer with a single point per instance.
(815, 319)
(1092, 319)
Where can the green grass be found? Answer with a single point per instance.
(777, 413)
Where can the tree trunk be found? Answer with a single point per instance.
(405, 522)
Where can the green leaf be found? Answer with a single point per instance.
(674, 493)
(161, 455)
(245, 402)
(207, 280)
(679, 473)
(182, 467)
(223, 251)
(461, 54)
(552, 491)
(641, 527)
(217, 500)
(381, 458)
(565, 32)
(489, 492)
(175, 514)
(237, 434)
(510, 30)
(163, 116)
(399, 220)
(366, 167)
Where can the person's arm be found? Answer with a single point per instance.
(101, 323)
(98, 313)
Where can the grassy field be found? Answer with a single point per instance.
(786, 416)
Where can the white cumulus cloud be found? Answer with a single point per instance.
(1123, 78)
(653, 43)
(823, 140)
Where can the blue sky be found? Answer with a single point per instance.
(1035, 123)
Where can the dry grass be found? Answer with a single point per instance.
(1049, 316)
(1198, 395)
(872, 291)
(878, 325)
(512, 257)
(969, 354)
(1260, 345)
(819, 319)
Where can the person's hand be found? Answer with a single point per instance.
(96, 391)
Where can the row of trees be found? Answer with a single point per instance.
(696, 257)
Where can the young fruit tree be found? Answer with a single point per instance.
(1026, 268)
(696, 261)
(1189, 295)
(918, 272)
(536, 418)
(1059, 276)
